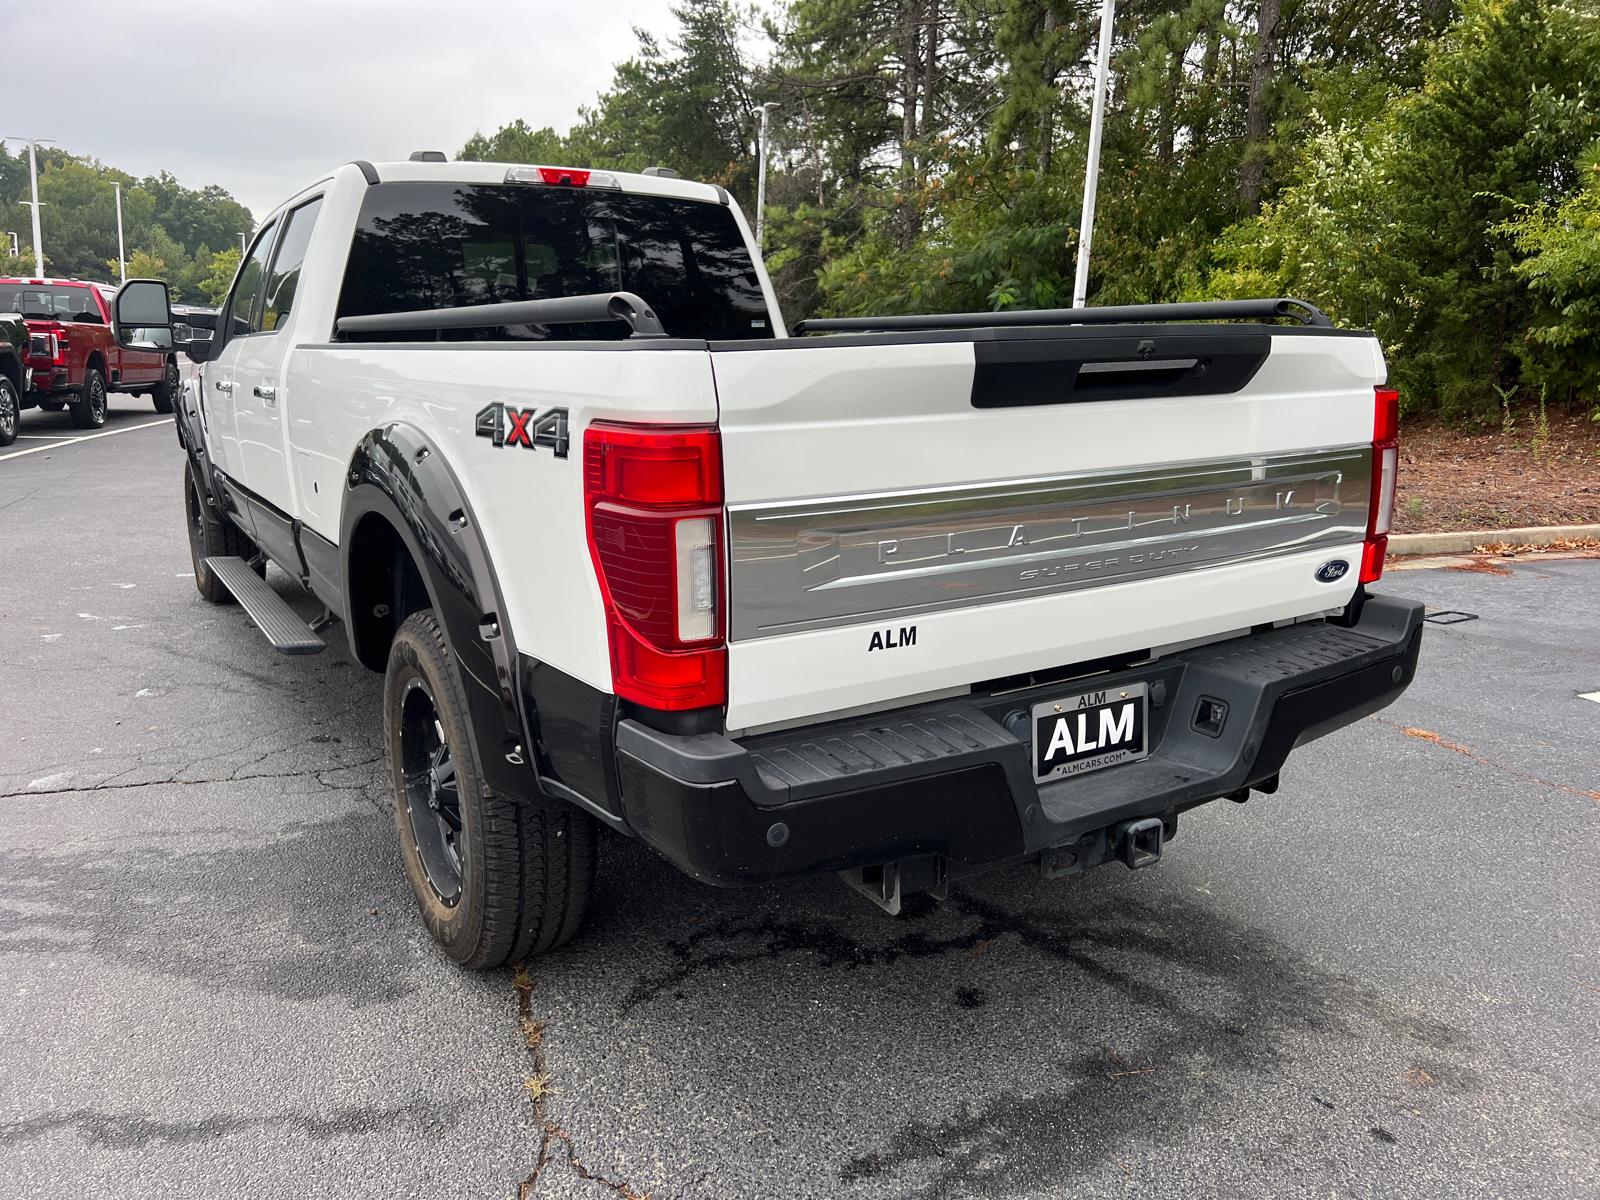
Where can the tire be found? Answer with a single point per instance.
(495, 880)
(51, 405)
(89, 410)
(10, 411)
(210, 536)
(165, 394)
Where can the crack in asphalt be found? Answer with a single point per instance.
(317, 772)
(835, 948)
(1427, 735)
(539, 1088)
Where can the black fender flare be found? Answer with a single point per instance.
(191, 436)
(400, 474)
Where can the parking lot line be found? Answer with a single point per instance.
(85, 438)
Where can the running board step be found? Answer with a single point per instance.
(282, 625)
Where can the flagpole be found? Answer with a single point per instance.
(761, 181)
(122, 255)
(1091, 173)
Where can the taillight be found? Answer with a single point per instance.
(654, 500)
(1385, 467)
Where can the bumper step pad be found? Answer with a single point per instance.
(281, 624)
(877, 746)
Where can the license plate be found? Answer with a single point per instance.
(1089, 731)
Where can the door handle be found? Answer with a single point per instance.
(267, 393)
(224, 385)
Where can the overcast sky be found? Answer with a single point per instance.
(264, 98)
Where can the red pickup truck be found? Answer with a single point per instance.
(73, 358)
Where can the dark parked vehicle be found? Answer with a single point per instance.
(187, 319)
(73, 357)
(13, 375)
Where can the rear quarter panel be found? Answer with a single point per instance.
(529, 504)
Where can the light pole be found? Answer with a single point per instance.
(33, 176)
(1091, 174)
(761, 180)
(122, 254)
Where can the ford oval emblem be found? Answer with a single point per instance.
(1332, 571)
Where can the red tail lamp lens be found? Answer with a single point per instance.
(1385, 472)
(654, 498)
(1386, 420)
(632, 464)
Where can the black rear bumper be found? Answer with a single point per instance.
(948, 779)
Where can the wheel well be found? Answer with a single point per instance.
(99, 364)
(384, 587)
(11, 368)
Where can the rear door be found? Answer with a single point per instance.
(238, 328)
(912, 515)
(258, 372)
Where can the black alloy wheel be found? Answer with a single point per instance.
(89, 410)
(165, 394)
(433, 799)
(10, 411)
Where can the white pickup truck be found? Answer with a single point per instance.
(901, 599)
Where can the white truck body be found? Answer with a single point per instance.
(900, 524)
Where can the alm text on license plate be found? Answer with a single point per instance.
(1086, 732)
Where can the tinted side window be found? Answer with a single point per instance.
(247, 286)
(77, 304)
(441, 245)
(286, 263)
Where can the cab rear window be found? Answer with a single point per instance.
(445, 245)
(60, 302)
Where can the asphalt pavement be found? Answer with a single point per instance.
(1383, 981)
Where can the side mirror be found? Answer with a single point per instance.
(141, 315)
(198, 349)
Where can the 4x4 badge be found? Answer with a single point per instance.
(518, 427)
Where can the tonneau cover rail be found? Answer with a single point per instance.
(1205, 310)
(558, 310)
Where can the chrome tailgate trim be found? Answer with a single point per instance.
(817, 564)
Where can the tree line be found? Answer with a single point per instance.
(1425, 168)
(189, 238)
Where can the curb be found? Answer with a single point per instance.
(1462, 543)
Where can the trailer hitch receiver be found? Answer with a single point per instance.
(1139, 842)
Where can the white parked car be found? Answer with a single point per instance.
(900, 598)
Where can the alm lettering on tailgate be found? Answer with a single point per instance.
(886, 640)
(1115, 726)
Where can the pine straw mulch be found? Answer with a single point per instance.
(1479, 477)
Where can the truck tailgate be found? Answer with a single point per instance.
(912, 514)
